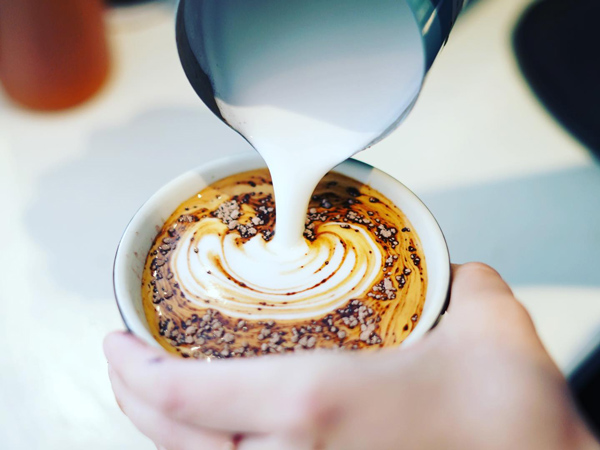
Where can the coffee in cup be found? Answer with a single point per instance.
(213, 287)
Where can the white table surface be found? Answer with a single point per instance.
(507, 183)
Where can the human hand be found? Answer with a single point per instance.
(480, 380)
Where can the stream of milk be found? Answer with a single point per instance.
(308, 83)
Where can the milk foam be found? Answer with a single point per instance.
(308, 84)
(216, 271)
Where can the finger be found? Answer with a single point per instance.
(482, 302)
(165, 432)
(479, 294)
(474, 283)
(242, 395)
(278, 442)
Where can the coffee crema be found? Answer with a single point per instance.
(214, 288)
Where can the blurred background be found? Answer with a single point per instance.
(96, 114)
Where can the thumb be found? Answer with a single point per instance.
(483, 303)
(477, 286)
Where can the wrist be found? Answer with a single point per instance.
(585, 439)
(589, 442)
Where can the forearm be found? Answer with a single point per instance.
(586, 440)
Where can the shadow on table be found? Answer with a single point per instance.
(81, 208)
(537, 230)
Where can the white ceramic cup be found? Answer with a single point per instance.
(148, 221)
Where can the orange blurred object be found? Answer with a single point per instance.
(53, 53)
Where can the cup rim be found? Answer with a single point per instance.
(242, 161)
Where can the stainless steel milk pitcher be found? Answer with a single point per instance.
(436, 19)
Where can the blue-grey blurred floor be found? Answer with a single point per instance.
(541, 229)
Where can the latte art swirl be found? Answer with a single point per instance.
(215, 284)
(249, 280)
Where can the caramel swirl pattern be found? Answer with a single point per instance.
(213, 285)
(235, 279)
